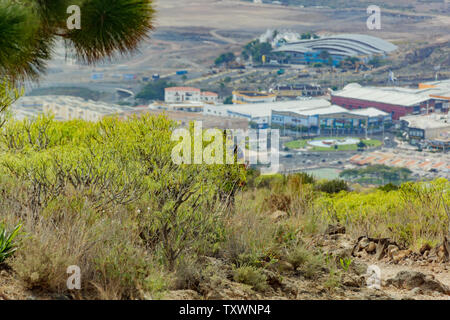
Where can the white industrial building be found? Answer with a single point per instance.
(431, 130)
(189, 94)
(316, 116)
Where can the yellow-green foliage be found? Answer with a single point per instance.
(415, 211)
(107, 196)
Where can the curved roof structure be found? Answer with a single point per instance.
(345, 45)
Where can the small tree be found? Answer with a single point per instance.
(228, 100)
(361, 145)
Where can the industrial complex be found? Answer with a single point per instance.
(419, 114)
(312, 116)
(396, 101)
(338, 48)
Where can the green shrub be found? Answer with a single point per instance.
(251, 276)
(301, 178)
(7, 242)
(333, 186)
(298, 256)
(269, 181)
(389, 187)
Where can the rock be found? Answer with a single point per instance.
(391, 250)
(274, 280)
(425, 247)
(412, 279)
(283, 266)
(364, 243)
(416, 291)
(400, 255)
(227, 290)
(182, 295)
(335, 229)
(340, 237)
(278, 215)
(353, 282)
(290, 288)
(363, 254)
(358, 267)
(344, 250)
(373, 294)
(441, 253)
(371, 247)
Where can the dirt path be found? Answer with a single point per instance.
(222, 38)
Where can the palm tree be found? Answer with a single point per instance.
(29, 30)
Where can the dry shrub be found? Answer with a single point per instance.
(107, 249)
(279, 202)
(250, 235)
(188, 274)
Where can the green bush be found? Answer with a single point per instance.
(333, 186)
(7, 242)
(251, 276)
(389, 187)
(269, 181)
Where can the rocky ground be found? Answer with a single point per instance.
(404, 274)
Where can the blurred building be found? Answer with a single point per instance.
(185, 118)
(334, 49)
(188, 94)
(64, 108)
(432, 131)
(293, 91)
(397, 101)
(243, 97)
(315, 116)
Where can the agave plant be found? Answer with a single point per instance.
(29, 30)
(7, 244)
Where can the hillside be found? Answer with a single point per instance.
(106, 197)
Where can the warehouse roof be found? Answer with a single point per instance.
(331, 109)
(334, 109)
(344, 44)
(182, 89)
(370, 112)
(383, 95)
(264, 109)
(433, 121)
(306, 108)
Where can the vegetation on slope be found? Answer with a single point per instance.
(108, 198)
